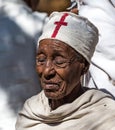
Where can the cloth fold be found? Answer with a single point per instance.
(94, 110)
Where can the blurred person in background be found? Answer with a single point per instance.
(19, 29)
(101, 73)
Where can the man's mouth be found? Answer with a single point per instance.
(50, 86)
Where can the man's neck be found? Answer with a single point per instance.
(76, 92)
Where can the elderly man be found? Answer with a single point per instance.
(63, 56)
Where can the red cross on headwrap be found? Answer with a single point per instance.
(59, 24)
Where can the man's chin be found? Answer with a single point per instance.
(53, 95)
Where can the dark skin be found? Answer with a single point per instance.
(48, 6)
(60, 84)
(32, 4)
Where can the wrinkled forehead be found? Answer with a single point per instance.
(57, 46)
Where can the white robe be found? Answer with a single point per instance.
(102, 69)
(93, 110)
(19, 30)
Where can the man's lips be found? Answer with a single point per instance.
(50, 86)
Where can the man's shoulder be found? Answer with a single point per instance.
(96, 94)
(35, 97)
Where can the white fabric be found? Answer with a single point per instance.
(94, 110)
(79, 33)
(102, 69)
(19, 29)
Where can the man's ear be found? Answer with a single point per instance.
(85, 68)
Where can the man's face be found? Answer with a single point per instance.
(58, 76)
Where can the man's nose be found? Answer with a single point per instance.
(49, 70)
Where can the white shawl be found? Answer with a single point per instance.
(94, 110)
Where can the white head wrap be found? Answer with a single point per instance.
(74, 30)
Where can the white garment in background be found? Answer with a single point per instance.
(102, 69)
(19, 30)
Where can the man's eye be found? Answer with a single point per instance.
(60, 61)
(40, 60)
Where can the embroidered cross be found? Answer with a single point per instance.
(59, 24)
